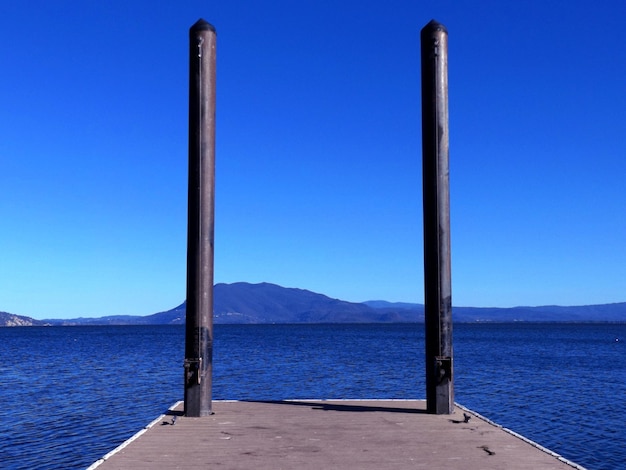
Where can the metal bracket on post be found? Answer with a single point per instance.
(443, 369)
(193, 366)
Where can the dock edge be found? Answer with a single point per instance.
(135, 436)
(523, 438)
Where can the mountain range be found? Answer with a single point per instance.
(243, 302)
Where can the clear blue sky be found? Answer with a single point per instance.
(318, 151)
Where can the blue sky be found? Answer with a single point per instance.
(318, 151)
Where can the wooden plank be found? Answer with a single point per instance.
(314, 434)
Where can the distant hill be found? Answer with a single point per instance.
(9, 319)
(596, 313)
(268, 303)
(108, 320)
(243, 302)
(587, 313)
(380, 304)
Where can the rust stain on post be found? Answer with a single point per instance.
(200, 225)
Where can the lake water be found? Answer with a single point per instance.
(71, 394)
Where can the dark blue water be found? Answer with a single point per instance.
(71, 394)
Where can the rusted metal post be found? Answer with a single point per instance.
(436, 193)
(200, 225)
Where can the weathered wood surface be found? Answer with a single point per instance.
(310, 434)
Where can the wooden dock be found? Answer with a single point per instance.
(333, 434)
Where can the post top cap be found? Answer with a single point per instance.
(202, 25)
(434, 25)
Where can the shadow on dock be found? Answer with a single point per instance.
(354, 406)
